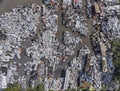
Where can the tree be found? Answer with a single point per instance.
(40, 87)
(15, 87)
(116, 56)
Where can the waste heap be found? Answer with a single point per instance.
(17, 25)
(111, 27)
(70, 39)
(76, 66)
(50, 1)
(110, 19)
(74, 19)
(66, 3)
(55, 84)
(96, 74)
(77, 4)
(9, 73)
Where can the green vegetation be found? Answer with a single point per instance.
(16, 87)
(50, 90)
(78, 89)
(103, 88)
(70, 90)
(116, 61)
(40, 87)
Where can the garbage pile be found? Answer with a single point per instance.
(70, 39)
(75, 20)
(76, 66)
(94, 76)
(66, 50)
(46, 47)
(85, 80)
(14, 72)
(17, 25)
(108, 76)
(31, 66)
(47, 55)
(31, 74)
(84, 50)
(77, 4)
(111, 27)
(55, 84)
(44, 50)
(50, 18)
(96, 73)
(89, 9)
(50, 45)
(8, 74)
(110, 21)
(66, 4)
(22, 81)
(51, 2)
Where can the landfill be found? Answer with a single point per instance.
(32, 52)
